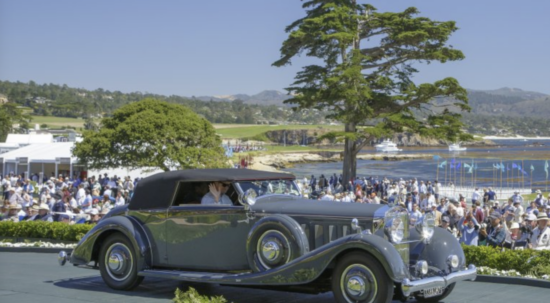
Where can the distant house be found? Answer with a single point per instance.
(41, 100)
(3, 99)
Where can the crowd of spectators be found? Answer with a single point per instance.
(480, 220)
(73, 200)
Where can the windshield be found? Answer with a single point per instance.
(271, 187)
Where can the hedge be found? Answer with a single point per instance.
(527, 261)
(44, 230)
(192, 296)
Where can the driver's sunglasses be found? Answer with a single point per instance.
(226, 184)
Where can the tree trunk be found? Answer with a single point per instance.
(350, 156)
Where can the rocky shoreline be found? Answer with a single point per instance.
(276, 162)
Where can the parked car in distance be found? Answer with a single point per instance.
(270, 237)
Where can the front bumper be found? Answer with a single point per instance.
(408, 287)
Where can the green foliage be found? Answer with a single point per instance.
(63, 101)
(44, 230)
(372, 85)
(526, 261)
(152, 133)
(192, 296)
(11, 114)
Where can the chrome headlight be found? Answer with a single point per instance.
(426, 226)
(396, 224)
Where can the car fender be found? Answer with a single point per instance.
(438, 249)
(89, 246)
(310, 266)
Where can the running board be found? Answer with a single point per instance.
(193, 276)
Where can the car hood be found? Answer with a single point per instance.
(299, 206)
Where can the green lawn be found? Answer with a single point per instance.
(250, 131)
(57, 121)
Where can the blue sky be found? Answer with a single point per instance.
(217, 47)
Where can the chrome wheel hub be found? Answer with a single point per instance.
(118, 261)
(358, 284)
(271, 250)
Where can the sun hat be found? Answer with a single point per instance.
(531, 217)
(542, 216)
(514, 225)
(15, 206)
(44, 206)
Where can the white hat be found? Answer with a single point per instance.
(531, 217)
(514, 225)
(538, 191)
(94, 211)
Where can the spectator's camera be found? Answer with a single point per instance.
(483, 225)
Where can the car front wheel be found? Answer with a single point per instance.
(118, 263)
(359, 278)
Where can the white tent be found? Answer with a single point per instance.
(53, 159)
(46, 159)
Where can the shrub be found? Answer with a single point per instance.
(527, 261)
(44, 230)
(192, 296)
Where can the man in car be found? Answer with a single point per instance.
(217, 195)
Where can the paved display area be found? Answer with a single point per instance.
(36, 277)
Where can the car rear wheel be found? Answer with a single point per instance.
(357, 277)
(118, 263)
(445, 293)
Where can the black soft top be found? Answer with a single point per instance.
(157, 191)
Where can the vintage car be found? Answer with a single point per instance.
(270, 237)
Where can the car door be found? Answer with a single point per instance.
(207, 237)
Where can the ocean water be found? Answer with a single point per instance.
(512, 154)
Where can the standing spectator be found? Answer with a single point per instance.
(469, 229)
(415, 215)
(517, 197)
(437, 189)
(518, 212)
(540, 240)
(478, 212)
(437, 215)
(491, 195)
(476, 196)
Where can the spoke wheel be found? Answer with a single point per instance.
(118, 264)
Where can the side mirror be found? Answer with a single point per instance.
(250, 197)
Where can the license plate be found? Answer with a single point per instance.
(432, 292)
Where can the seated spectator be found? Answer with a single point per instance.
(13, 213)
(540, 239)
(94, 216)
(43, 213)
(496, 233)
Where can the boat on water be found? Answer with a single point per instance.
(387, 146)
(456, 147)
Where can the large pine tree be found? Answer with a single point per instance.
(365, 77)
